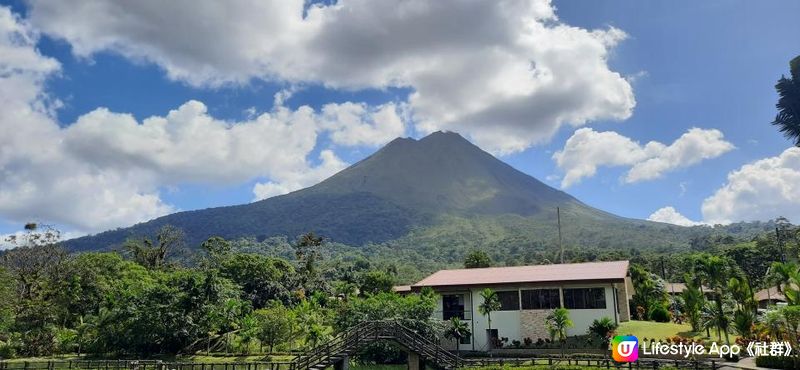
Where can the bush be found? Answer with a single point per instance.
(603, 328)
(659, 314)
(778, 362)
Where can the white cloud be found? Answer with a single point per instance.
(106, 169)
(189, 145)
(354, 124)
(586, 150)
(762, 190)
(689, 149)
(671, 216)
(507, 73)
(330, 164)
(36, 180)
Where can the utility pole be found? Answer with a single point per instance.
(560, 245)
(780, 244)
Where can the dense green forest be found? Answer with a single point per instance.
(158, 295)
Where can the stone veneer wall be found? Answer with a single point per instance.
(623, 307)
(533, 324)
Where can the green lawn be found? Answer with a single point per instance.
(662, 330)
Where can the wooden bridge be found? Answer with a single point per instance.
(337, 351)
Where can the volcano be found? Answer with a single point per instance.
(404, 190)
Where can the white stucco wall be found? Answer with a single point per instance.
(508, 323)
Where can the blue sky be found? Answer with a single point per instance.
(680, 65)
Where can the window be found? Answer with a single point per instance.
(466, 340)
(453, 306)
(540, 299)
(583, 298)
(509, 301)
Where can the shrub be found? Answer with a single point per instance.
(659, 314)
(778, 362)
(603, 329)
(528, 341)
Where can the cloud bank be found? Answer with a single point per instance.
(586, 150)
(508, 74)
(106, 169)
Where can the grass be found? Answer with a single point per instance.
(663, 330)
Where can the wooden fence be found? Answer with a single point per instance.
(601, 363)
(143, 365)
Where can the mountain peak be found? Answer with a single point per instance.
(406, 184)
(444, 172)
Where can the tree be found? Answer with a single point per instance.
(693, 302)
(457, 330)
(788, 118)
(307, 251)
(261, 278)
(557, 323)
(714, 269)
(377, 281)
(477, 259)
(275, 325)
(717, 315)
(490, 304)
(216, 247)
(248, 332)
(154, 253)
(35, 267)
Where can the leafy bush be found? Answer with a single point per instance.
(603, 327)
(659, 314)
(778, 362)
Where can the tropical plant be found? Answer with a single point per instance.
(774, 323)
(788, 118)
(457, 330)
(603, 328)
(558, 322)
(693, 302)
(743, 321)
(791, 316)
(490, 304)
(716, 315)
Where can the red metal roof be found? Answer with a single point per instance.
(615, 270)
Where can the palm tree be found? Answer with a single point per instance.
(457, 330)
(781, 272)
(743, 320)
(557, 323)
(716, 315)
(788, 118)
(490, 304)
(774, 322)
(693, 302)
